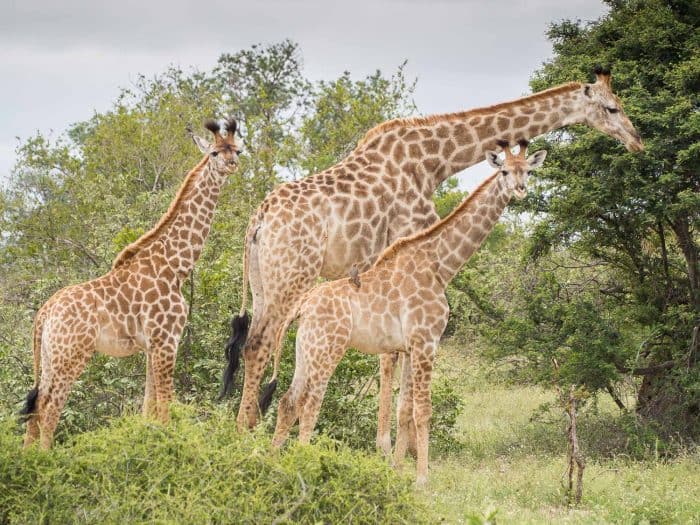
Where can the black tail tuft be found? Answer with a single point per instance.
(266, 398)
(239, 333)
(29, 404)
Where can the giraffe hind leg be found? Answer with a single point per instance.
(290, 403)
(320, 367)
(28, 413)
(52, 397)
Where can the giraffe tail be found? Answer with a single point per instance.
(239, 324)
(30, 402)
(239, 334)
(266, 397)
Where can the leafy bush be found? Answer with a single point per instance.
(198, 469)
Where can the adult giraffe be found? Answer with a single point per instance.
(322, 225)
(136, 306)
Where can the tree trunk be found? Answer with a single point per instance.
(662, 396)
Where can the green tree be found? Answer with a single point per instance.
(636, 216)
(344, 109)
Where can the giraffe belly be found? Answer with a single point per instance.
(113, 344)
(341, 254)
(377, 334)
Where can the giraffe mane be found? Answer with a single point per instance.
(165, 221)
(460, 115)
(399, 244)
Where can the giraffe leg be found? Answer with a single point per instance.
(149, 397)
(256, 355)
(387, 363)
(161, 352)
(404, 412)
(291, 402)
(316, 386)
(53, 396)
(33, 431)
(287, 414)
(422, 356)
(285, 273)
(163, 365)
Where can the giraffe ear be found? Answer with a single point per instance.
(536, 159)
(202, 144)
(493, 160)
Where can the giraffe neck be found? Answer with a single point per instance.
(461, 233)
(451, 242)
(191, 223)
(431, 149)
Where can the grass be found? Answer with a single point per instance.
(515, 466)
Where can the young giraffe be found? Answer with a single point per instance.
(323, 224)
(399, 307)
(138, 305)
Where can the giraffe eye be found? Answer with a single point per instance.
(504, 172)
(612, 110)
(214, 153)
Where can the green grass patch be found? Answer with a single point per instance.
(511, 464)
(196, 471)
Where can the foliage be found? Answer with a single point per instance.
(513, 463)
(605, 282)
(343, 110)
(75, 201)
(196, 471)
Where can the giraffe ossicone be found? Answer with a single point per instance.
(137, 305)
(400, 307)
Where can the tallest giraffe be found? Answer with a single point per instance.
(344, 217)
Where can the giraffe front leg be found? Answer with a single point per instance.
(404, 412)
(163, 361)
(149, 397)
(422, 356)
(161, 352)
(387, 363)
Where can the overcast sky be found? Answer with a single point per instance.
(62, 60)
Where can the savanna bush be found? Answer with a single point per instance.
(198, 469)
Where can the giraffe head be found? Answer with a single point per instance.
(602, 110)
(516, 168)
(224, 151)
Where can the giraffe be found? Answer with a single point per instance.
(399, 307)
(137, 305)
(321, 225)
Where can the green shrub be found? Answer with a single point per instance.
(198, 469)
